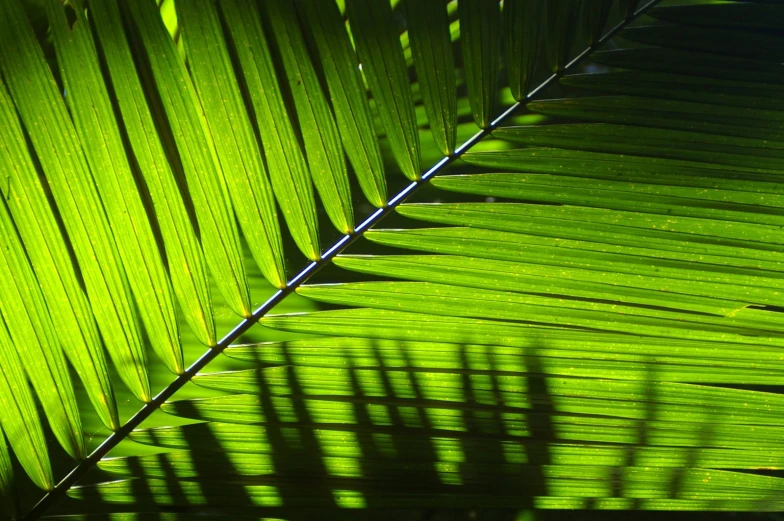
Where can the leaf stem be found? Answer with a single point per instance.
(303, 276)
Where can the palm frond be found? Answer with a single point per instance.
(580, 311)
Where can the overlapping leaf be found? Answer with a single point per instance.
(91, 112)
(43, 113)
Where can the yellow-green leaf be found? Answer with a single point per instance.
(45, 117)
(185, 257)
(378, 46)
(205, 178)
(35, 340)
(288, 172)
(431, 46)
(19, 415)
(94, 122)
(319, 131)
(46, 249)
(231, 131)
(349, 97)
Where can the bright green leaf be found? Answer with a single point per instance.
(480, 25)
(349, 97)
(45, 117)
(232, 134)
(288, 172)
(204, 176)
(94, 122)
(185, 257)
(382, 61)
(319, 131)
(428, 29)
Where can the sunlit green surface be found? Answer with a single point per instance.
(583, 314)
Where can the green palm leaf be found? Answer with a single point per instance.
(579, 307)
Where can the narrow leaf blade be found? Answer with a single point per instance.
(288, 171)
(319, 131)
(232, 134)
(349, 97)
(431, 45)
(480, 26)
(206, 182)
(94, 122)
(186, 260)
(378, 46)
(44, 115)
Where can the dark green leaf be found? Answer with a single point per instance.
(480, 26)
(755, 154)
(560, 28)
(691, 63)
(685, 88)
(753, 45)
(523, 21)
(741, 15)
(428, 29)
(627, 7)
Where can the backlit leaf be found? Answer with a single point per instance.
(44, 115)
(480, 25)
(378, 46)
(232, 134)
(319, 131)
(428, 29)
(349, 97)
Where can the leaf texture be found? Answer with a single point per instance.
(46, 250)
(349, 98)
(186, 261)
(583, 312)
(522, 26)
(428, 29)
(33, 337)
(205, 178)
(44, 115)
(19, 416)
(288, 171)
(381, 56)
(231, 132)
(319, 131)
(94, 122)
(480, 23)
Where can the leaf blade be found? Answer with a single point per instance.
(480, 23)
(186, 258)
(206, 183)
(235, 143)
(320, 134)
(92, 114)
(44, 115)
(431, 46)
(378, 46)
(285, 159)
(349, 98)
